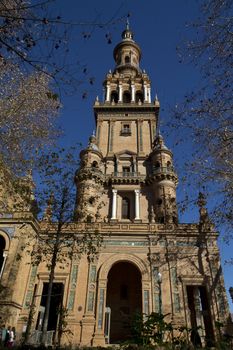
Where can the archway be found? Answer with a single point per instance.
(114, 96)
(126, 97)
(139, 96)
(124, 297)
(2, 248)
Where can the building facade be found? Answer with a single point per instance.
(149, 261)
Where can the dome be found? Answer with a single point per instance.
(158, 143)
(92, 143)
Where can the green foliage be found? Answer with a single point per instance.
(151, 329)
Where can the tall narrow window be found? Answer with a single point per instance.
(126, 97)
(127, 59)
(139, 96)
(125, 208)
(126, 170)
(114, 96)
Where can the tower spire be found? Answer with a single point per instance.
(127, 23)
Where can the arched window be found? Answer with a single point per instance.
(125, 208)
(127, 59)
(94, 164)
(161, 220)
(114, 96)
(139, 96)
(157, 165)
(2, 248)
(89, 219)
(169, 164)
(126, 97)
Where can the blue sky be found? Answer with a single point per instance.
(158, 26)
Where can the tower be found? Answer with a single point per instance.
(126, 188)
(126, 192)
(127, 162)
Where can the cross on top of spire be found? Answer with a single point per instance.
(127, 33)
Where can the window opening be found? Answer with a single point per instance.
(161, 220)
(114, 96)
(126, 97)
(56, 302)
(127, 59)
(125, 208)
(199, 307)
(95, 164)
(126, 170)
(126, 129)
(139, 96)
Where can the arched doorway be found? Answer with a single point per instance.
(124, 297)
(2, 248)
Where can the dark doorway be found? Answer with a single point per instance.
(2, 248)
(56, 303)
(124, 297)
(198, 303)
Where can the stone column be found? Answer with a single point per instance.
(120, 93)
(3, 264)
(137, 205)
(99, 338)
(110, 136)
(149, 95)
(108, 93)
(134, 165)
(145, 93)
(132, 93)
(114, 204)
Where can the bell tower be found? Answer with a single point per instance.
(133, 167)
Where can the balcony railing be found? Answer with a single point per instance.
(163, 170)
(127, 174)
(93, 169)
(36, 338)
(126, 132)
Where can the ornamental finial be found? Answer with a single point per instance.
(127, 23)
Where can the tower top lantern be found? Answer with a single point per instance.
(127, 54)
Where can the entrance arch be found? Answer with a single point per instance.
(4, 247)
(124, 298)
